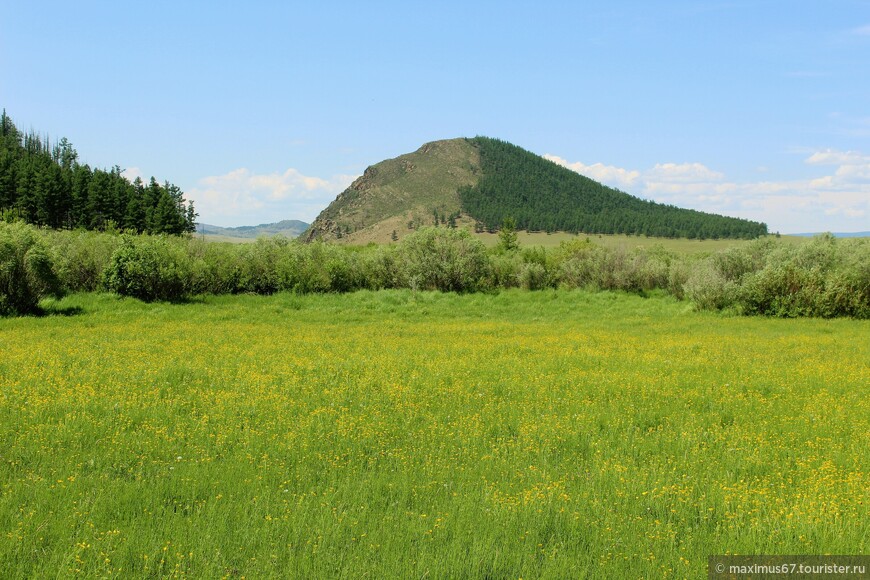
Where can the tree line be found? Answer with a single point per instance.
(44, 184)
(543, 196)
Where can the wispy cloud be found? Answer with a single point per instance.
(242, 197)
(862, 30)
(837, 199)
(834, 157)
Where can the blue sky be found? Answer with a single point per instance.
(262, 111)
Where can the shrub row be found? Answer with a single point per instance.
(824, 277)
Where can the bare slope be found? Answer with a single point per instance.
(394, 193)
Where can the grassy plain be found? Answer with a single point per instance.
(380, 234)
(626, 242)
(392, 434)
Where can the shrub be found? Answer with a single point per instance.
(533, 276)
(504, 269)
(149, 268)
(27, 273)
(825, 277)
(259, 271)
(582, 264)
(81, 257)
(444, 259)
(707, 288)
(780, 289)
(215, 267)
(311, 272)
(652, 268)
(577, 264)
(380, 268)
(848, 289)
(678, 274)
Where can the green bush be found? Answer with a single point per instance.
(336, 268)
(577, 264)
(215, 268)
(504, 269)
(149, 268)
(707, 288)
(653, 268)
(533, 276)
(260, 272)
(81, 257)
(445, 259)
(27, 273)
(825, 277)
(380, 268)
(848, 289)
(582, 264)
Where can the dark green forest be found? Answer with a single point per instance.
(543, 196)
(44, 184)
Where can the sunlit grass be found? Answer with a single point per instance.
(394, 434)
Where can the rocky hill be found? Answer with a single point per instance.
(478, 183)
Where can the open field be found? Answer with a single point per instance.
(397, 434)
(228, 239)
(381, 235)
(679, 245)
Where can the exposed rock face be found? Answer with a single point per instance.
(320, 230)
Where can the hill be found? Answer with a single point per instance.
(287, 228)
(480, 182)
(401, 194)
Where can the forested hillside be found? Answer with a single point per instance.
(45, 185)
(541, 195)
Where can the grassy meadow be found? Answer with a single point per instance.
(626, 242)
(424, 435)
(381, 234)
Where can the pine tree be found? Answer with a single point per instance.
(507, 235)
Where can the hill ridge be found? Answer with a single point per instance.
(289, 228)
(479, 182)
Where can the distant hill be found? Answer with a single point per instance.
(478, 183)
(287, 228)
(836, 234)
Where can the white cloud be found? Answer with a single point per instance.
(608, 174)
(862, 30)
(838, 200)
(131, 173)
(834, 157)
(241, 197)
(682, 173)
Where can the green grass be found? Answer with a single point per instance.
(545, 240)
(229, 239)
(679, 245)
(398, 434)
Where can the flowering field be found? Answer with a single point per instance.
(393, 434)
